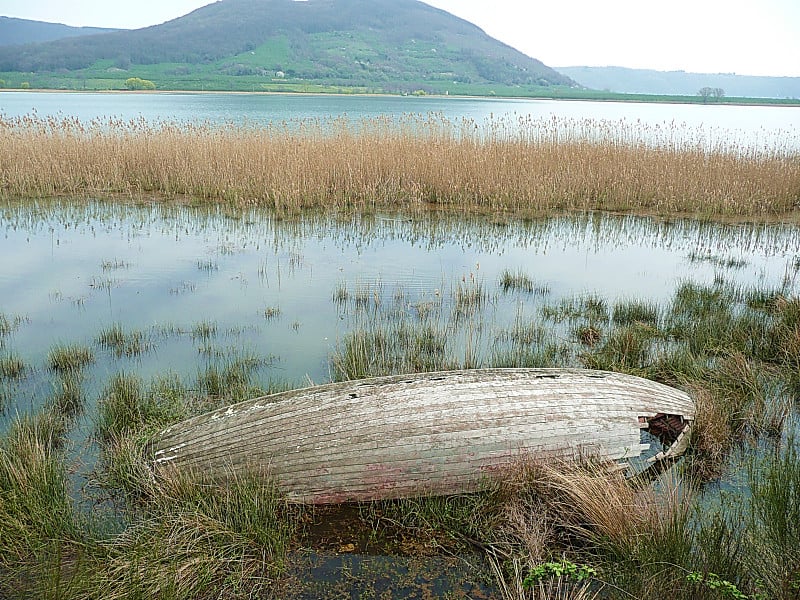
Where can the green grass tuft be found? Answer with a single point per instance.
(11, 367)
(64, 358)
(123, 343)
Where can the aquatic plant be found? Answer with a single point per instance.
(626, 349)
(69, 357)
(68, 397)
(8, 325)
(527, 343)
(207, 265)
(40, 531)
(399, 347)
(468, 297)
(204, 330)
(774, 521)
(197, 540)
(589, 307)
(521, 282)
(231, 377)
(628, 312)
(272, 312)
(11, 367)
(114, 264)
(126, 407)
(122, 343)
(503, 164)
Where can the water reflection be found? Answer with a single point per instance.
(72, 269)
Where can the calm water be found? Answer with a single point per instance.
(267, 285)
(750, 125)
(70, 271)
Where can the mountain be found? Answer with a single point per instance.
(643, 81)
(22, 31)
(345, 41)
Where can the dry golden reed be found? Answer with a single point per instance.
(504, 164)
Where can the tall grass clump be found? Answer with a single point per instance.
(231, 378)
(128, 413)
(204, 330)
(519, 281)
(40, 532)
(380, 348)
(626, 350)
(592, 530)
(527, 343)
(69, 357)
(122, 343)
(502, 164)
(590, 308)
(788, 342)
(200, 540)
(11, 367)
(635, 311)
(774, 521)
(129, 407)
(626, 540)
(68, 397)
(393, 335)
(7, 326)
(703, 317)
(468, 297)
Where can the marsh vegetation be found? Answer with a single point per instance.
(507, 163)
(547, 530)
(86, 383)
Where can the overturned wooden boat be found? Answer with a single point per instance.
(427, 434)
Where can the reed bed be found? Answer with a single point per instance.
(417, 161)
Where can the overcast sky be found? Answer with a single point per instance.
(748, 37)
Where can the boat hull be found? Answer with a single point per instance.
(422, 434)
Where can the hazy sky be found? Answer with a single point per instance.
(749, 37)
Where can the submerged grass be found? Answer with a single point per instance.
(8, 325)
(122, 343)
(503, 164)
(11, 367)
(519, 281)
(70, 357)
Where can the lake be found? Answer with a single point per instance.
(269, 286)
(283, 299)
(757, 126)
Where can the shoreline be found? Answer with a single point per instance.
(651, 99)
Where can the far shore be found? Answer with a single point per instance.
(621, 98)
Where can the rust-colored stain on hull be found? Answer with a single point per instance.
(422, 434)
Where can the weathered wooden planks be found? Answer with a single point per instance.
(410, 435)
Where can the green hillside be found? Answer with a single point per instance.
(22, 31)
(375, 45)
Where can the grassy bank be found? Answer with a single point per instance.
(420, 162)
